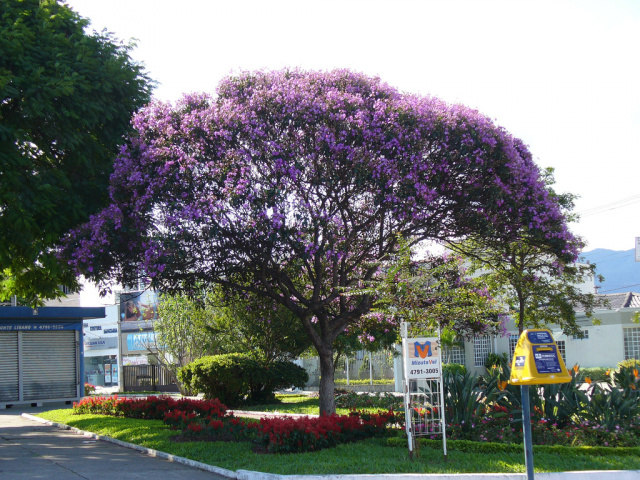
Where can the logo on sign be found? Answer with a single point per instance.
(422, 350)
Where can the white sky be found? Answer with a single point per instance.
(564, 76)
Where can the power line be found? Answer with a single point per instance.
(619, 288)
(631, 255)
(610, 206)
(598, 258)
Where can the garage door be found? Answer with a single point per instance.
(8, 366)
(49, 365)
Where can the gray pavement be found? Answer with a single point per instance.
(32, 450)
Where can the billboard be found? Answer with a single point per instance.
(138, 310)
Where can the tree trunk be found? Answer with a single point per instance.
(327, 386)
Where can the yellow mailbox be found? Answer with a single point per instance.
(536, 360)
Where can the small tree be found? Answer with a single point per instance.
(293, 185)
(181, 333)
(539, 287)
(434, 293)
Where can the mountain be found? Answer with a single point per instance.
(620, 270)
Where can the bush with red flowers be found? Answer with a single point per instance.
(304, 434)
(152, 408)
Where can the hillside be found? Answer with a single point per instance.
(620, 270)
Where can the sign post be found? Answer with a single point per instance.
(423, 392)
(536, 361)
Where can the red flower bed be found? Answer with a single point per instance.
(151, 408)
(302, 434)
(209, 419)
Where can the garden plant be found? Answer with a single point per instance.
(478, 408)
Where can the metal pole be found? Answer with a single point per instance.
(120, 369)
(347, 367)
(370, 370)
(526, 431)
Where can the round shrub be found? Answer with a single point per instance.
(277, 376)
(234, 377)
(225, 377)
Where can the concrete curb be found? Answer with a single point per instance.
(251, 475)
(148, 451)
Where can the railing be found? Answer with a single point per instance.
(148, 378)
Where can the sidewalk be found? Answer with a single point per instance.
(30, 449)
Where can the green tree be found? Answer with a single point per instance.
(434, 293)
(539, 287)
(66, 102)
(182, 333)
(246, 323)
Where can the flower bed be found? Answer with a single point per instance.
(579, 413)
(293, 435)
(284, 434)
(148, 408)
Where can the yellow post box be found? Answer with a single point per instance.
(536, 360)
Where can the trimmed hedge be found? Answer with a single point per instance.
(235, 378)
(471, 446)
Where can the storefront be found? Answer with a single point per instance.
(41, 353)
(101, 349)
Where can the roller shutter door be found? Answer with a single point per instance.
(9, 381)
(49, 365)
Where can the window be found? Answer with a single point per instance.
(631, 343)
(66, 290)
(453, 354)
(582, 335)
(481, 349)
(513, 341)
(562, 350)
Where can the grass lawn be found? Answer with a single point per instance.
(370, 456)
(299, 403)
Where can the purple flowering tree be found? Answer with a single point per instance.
(295, 185)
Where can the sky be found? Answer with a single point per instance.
(564, 76)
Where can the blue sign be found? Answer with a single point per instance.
(540, 337)
(39, 327)
(546, 359)
(141, 341)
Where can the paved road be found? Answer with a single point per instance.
(30, 450)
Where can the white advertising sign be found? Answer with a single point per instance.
(422, 358)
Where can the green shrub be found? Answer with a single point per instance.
(497, 360)
(461, 397)
(275, 376)
(235, 377)
(454, 369)
(381, 381)
(632, 362)
(596, 374)
(225, 377)
(627, 377)
(384, 401)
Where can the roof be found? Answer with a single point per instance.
(622, 300)
(50, 313)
